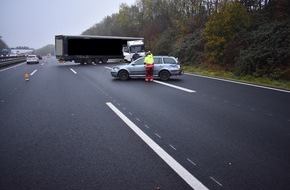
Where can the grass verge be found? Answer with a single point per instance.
(220, 73)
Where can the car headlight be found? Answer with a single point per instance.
(175, 66)
(115, 69)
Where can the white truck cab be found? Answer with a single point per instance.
(133, 47)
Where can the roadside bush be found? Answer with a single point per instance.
(268, 51)
(164, 45)
(190, 48)
(224, 27)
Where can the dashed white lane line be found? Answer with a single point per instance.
(216, 181)
(108, 68)
(191, 161)
(158, 135)
(73, 71)
(172, 147)
(33, 72)
(174, 86)
(179, 169)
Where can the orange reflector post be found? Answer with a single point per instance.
(26, 76)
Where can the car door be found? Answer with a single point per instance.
(158, 65)
(137, 68)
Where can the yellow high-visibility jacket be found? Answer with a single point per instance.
(149, 59)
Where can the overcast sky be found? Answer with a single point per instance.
(34, 23)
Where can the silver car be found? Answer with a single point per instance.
(32, 59)
(164, 68)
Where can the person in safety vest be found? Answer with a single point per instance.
(149, 62)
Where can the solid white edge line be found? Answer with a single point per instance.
(236, 82)
(33, 72)
(12, 67)
(179, 169)
(73, 71)
(174, 86)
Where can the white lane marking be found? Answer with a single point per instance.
(108, 68)
(191, 161)
(236, 82)
(172, 147)
(179, 169)
(33, 72)
(216, 181)
(158, 135)
(12, 67)
(149, 127)
(73, 71)
(174, 86)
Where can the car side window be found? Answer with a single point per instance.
(139, 61)
(169, 61)
(157, 60)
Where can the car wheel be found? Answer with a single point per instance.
(164, 75)
(123, 75)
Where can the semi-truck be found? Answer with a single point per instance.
(88, 49)
(136, 46)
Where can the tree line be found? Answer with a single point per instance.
(249, 37)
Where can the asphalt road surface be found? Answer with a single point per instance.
(75, 127)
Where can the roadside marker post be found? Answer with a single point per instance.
(26, 76)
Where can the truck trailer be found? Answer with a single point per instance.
(88, 49)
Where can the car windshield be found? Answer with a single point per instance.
(137, 48)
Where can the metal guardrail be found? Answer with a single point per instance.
(11, 60)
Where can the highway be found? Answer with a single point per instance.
(75, 127)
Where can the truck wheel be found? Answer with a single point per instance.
(89, 61)
(82, 62)
(104, 60)
(164, 75)
(123, 75)
(97, 61)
